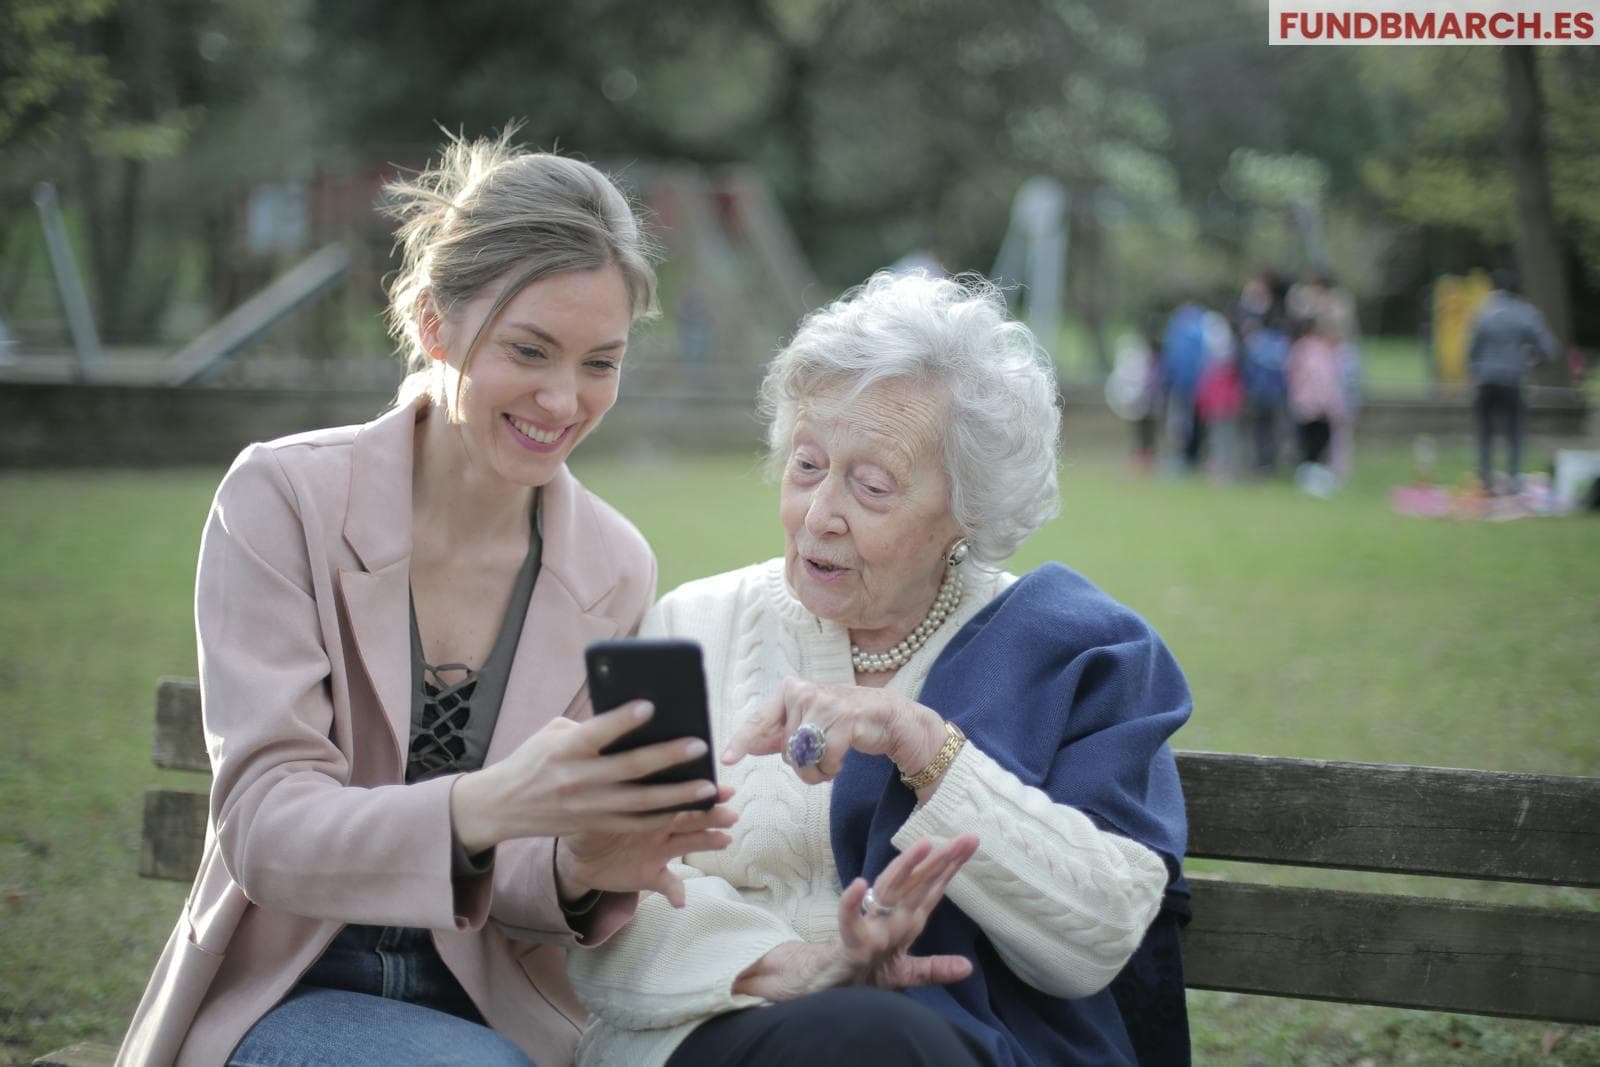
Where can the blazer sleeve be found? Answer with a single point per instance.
(290, 832)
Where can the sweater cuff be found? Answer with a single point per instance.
(712, 976)
(627, 985)
(947, 814)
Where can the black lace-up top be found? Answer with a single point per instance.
(453, 706)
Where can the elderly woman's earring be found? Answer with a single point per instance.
(958, 552)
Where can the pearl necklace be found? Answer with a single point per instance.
(943, 604)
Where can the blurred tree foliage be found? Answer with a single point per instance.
(1437, 156)
(881, 125)
(1190, 148)
(132, 107)
(46, 70)
(1450, 157)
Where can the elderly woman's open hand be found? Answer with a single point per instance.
(837, 718)
(877, 925)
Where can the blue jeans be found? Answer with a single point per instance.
(380, 996)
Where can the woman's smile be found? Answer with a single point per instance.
(531, 436)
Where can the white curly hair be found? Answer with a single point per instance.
(955, 336)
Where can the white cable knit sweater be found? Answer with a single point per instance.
(1064, 903)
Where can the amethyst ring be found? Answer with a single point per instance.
(806, 746)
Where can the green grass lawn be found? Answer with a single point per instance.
(1307, 627)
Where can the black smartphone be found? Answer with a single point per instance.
(669, 674)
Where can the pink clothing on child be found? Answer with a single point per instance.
(1220, 394)
(1316, 389)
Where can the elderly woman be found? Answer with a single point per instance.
(959, 814)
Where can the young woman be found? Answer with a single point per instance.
(410, 814)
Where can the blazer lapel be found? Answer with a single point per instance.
(377, 527)
(379, 607)
(574, 576)
(548, 671)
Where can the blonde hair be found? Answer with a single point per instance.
(490, 210)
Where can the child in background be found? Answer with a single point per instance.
(1341, 449)
(1183, 359)
(1219, 400)
(1266, 391)
(1316, 403)
(1133, 391)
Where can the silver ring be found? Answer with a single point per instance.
(806, 746)
(870, 905)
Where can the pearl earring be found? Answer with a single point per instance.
(958, 552)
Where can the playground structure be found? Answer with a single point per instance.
(734, 281)
(733, 278)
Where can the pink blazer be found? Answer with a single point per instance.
(301, 607)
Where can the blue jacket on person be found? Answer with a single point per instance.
(1183, 349)
(1266, 354)
(1076, 695)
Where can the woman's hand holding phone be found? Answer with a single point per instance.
(627, 862)
(558, 783)
(625, 792)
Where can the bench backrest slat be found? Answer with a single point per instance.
(1404, 820)
(174, 834)
(1407, 952)
(180, 741)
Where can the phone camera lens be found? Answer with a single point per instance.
(603, 668)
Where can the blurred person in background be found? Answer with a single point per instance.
(1219, 399)
(1133, 388)
(959, 813)
(1264, 359)
(1261, 322)
(1509, 337)
(410, 815)
(1183, 361)
(1261, 293)
(1321, 301)
(1316, 403)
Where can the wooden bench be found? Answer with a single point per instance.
(1248, 937)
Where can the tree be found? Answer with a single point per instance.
(1501, 148)
(46, 73)
(877, 123)
(1538, 241)
(46, 70)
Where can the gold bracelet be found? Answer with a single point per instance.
(946, 755)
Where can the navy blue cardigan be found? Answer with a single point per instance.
(1077, 695)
